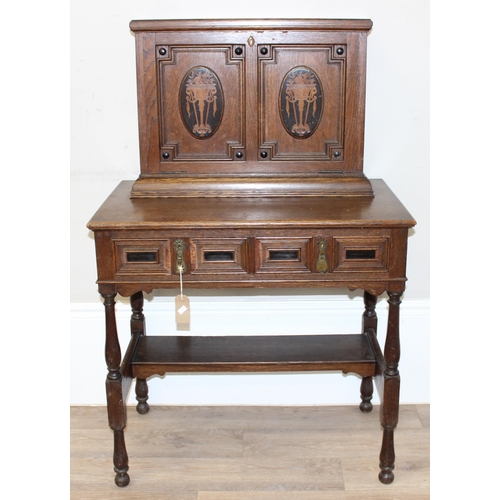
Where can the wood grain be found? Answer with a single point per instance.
(121, 212)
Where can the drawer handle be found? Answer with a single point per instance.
(284, 255)
(142, 257)
(359, 254)
(218, 256)
(321, 265)
(179, 247)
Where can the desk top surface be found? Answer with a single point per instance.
(119, 211)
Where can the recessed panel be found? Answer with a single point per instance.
(284, 255)
(302, 104)
(278, 255)
(218, 255)
(201, 107)
(361, 253)
(141, 256)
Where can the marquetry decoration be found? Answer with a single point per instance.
(201, 102)
(301, 102)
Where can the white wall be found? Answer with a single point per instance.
(104, 150)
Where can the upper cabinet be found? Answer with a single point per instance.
(251, 107)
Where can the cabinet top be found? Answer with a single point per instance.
(119, 211)
(251, 24)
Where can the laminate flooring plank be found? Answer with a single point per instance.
(202, 474)
(91, 443)
(206, 443)
(388, 494)
(424, 412)
(321, 443)
(336, 444)
(246, 417)
(89, 417)
(160, 443)
(107, 493)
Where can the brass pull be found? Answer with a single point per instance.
(180, 264)
(322, 265)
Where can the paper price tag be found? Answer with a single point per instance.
(182, 310)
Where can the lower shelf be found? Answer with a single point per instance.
(157, 355)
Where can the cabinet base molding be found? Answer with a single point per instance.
(207, 187)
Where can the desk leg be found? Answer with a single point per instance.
(114, 392)
(369, 322)
(138, 326)
(390, 401)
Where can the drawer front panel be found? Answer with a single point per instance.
(361, 254)
(251, 256)
(218, 255)
(283, 255)
(139, 256)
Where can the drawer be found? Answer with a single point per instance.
(283, 255)
(360, 253)
(139, 256)
(218, 255)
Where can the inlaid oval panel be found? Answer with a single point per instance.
(202, 102)
(301, 102)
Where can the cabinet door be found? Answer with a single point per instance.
(306, 85)
(311, 103)
(200, 87)
(191, 102)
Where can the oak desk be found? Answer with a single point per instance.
(142, 244)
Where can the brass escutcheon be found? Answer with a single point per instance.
(322, 265)
(180, 264)
(251, 41)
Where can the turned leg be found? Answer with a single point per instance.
(369, 322)
(138, 325)
(114, 392)
(366, 395)
(141, 394)
(390, 401)
(120, 459)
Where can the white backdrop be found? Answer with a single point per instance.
(104, 150)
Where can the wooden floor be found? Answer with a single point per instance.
(250, 453)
